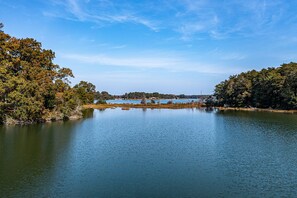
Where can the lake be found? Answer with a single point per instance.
(152, 153)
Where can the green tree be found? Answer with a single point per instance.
(268, 88)
(86, 92)
(289, 92)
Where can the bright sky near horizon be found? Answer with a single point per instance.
(168, 46)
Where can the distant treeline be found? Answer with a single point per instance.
(101, 97)
(269, 88)
(141, 95)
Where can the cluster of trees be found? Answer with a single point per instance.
(140, 95)
(86, 92)
(104, 95)
(32, 87)
(268, 88)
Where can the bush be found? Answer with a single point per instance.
(143, 101)
(101, 102)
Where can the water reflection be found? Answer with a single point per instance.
(29, 154)
(89, 113)
(152, 153)
(256, 150)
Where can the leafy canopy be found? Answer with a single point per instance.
(268, 88)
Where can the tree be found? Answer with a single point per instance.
(268, 88)
(30, 82)
(1, 26)
(104, 95)
(143, 100)
(289, 92)
(86, 92)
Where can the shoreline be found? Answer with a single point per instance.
(144, 106)
(256, 110)
(182, 106)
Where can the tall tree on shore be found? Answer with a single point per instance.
(268, 88)
(29, 80)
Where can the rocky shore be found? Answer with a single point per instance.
(52, 116)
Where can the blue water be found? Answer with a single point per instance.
(152, 153)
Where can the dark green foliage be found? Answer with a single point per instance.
(209, 102)
(143, 101)
(140, 95)
(268, 88)
(101, 102)
(156, 95)
(104, 95)
(169, 102)
(86, 92)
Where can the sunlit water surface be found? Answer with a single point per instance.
(152, 153)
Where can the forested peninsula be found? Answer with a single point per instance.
(33, 88)
(274, 88)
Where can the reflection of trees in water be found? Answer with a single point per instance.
(209, 109)
(29, 154)
(89, 113)
(281, 123)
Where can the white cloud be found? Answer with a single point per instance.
(119, 47)
(170, 63)
(81, 11)
(138, 62)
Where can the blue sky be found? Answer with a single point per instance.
(168, 46)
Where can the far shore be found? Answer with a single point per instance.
(149, 106)
(181, 106)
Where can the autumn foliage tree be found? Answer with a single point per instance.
(31, 85)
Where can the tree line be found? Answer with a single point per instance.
(32, 87)
(141, 95)
(269, 88)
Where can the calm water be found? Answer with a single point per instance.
(152, 153)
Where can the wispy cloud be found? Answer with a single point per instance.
(222, 19)
(191, 19)
(227, 56)
(105, 12)
(136, 62)
(119, 47)
(170, 63)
